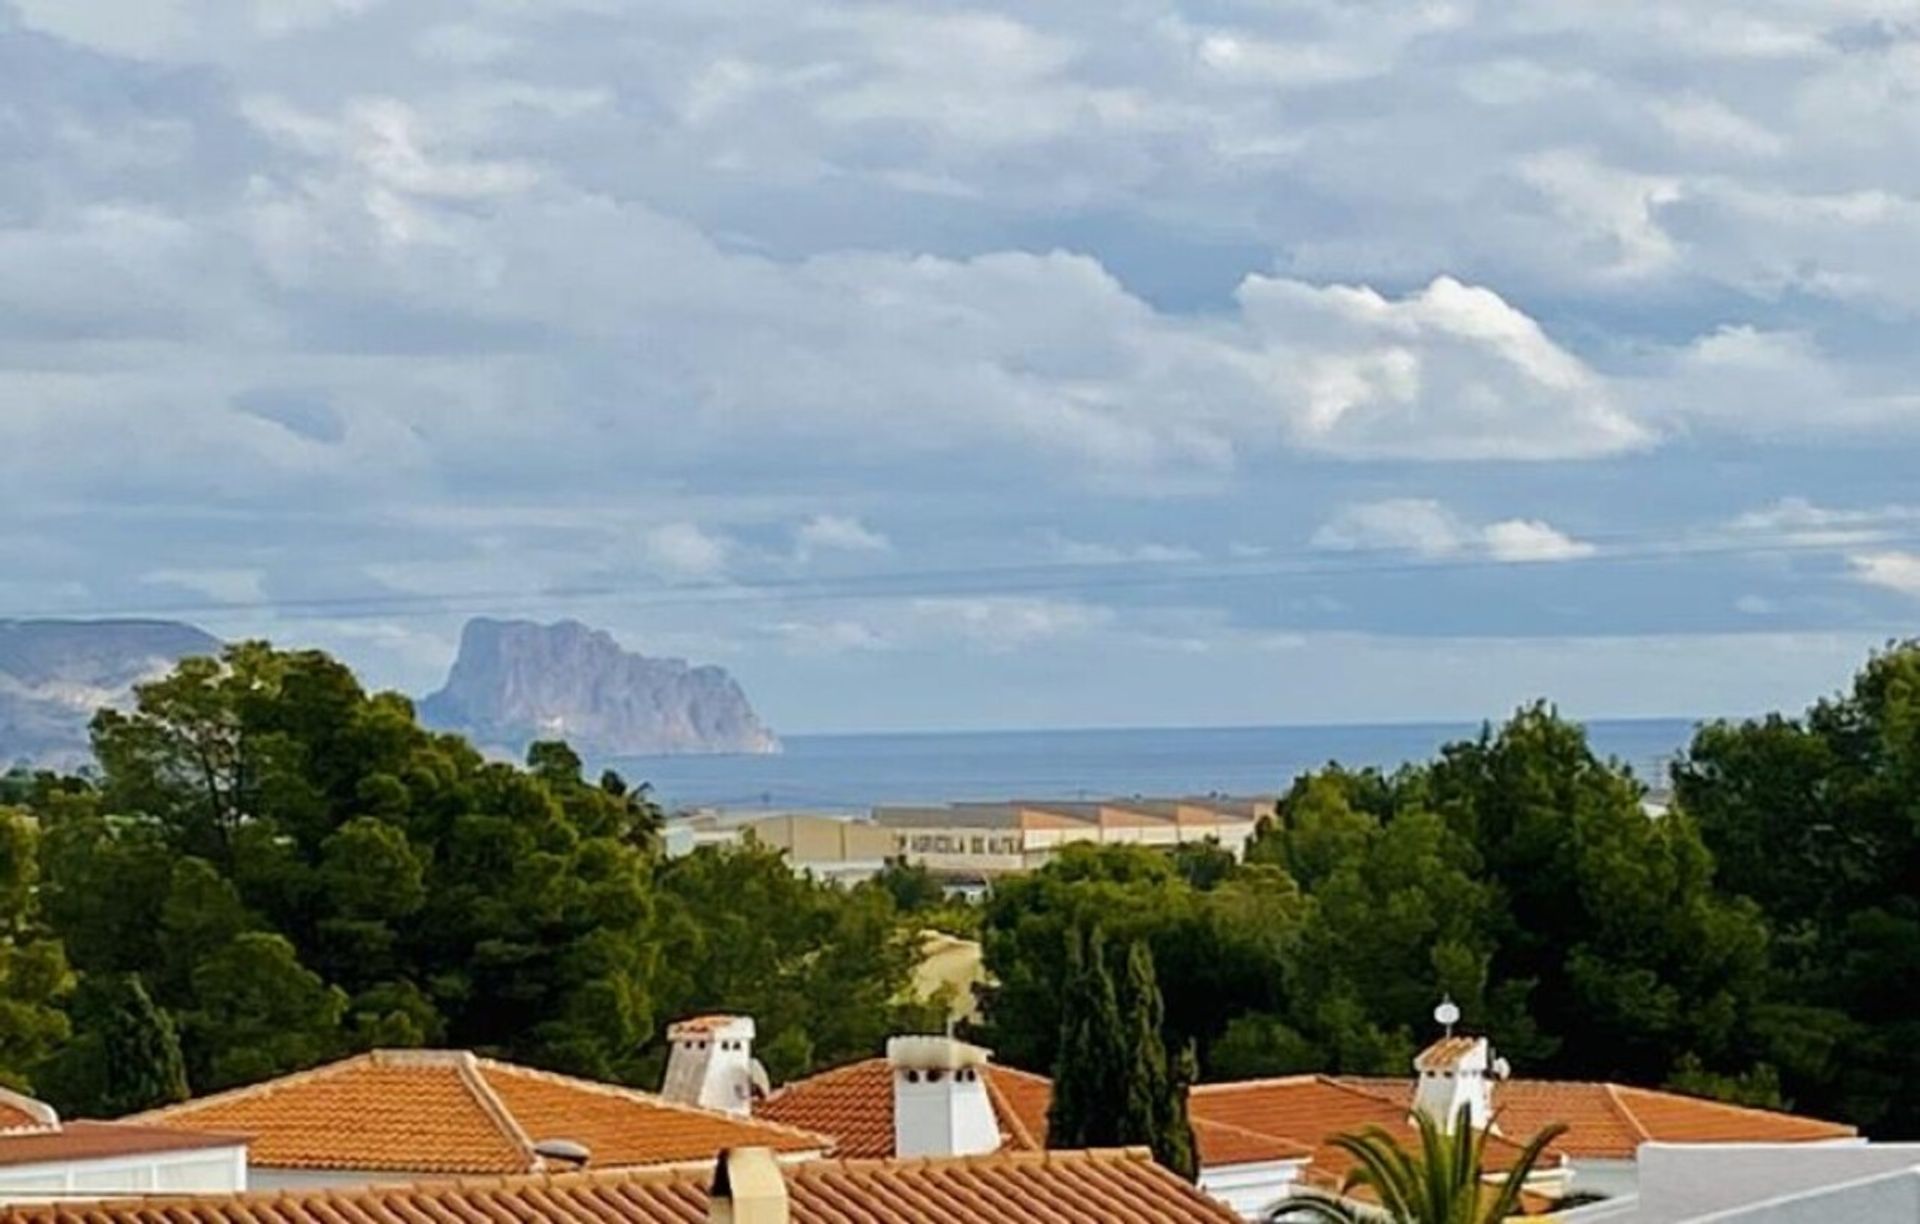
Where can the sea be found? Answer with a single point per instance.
(851, 773)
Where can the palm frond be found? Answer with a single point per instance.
(1508, 1196)
(1312, 1209)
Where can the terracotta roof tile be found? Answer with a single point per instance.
(99, 1140)
(1020, 1188)
(854, 1105)
(1314, 1109)
(1610, 1121)
(436, 1111)
(1446, 1053)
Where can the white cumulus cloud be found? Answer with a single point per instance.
(1427, 528)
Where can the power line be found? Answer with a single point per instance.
(1024, 579)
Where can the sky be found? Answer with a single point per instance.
(965, 365)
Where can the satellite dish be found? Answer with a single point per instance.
(1502, 1069)
(1447, 1014)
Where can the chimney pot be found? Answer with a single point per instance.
(710, 1064)
(748, 1188)
(940, 1101)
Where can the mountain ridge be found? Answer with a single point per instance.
(515, 681)
(512, 682)
(54, 674)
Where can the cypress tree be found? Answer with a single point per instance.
(141, 1052)
(1114, 1084)
(1088, 1087)
(126, 1052)
(1155, 1112)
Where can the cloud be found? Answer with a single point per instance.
(1523, 540)
(1892, 570)
(685, 550)
(1420, 526)
(1801, 522)
(1000, 623)
(1427, 529)
(837, 533)
(1087, 552)
(1452, 371)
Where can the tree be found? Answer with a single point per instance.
(125, 1056)
(1089, 1080)
(260, 1013)
(33, 965)
(431, 893)
(1442, 1183)
(1156, 1087)
(1611, 920)
(1816, 821)
(1115, 1084)
(825, 971)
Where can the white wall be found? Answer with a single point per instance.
(221, 1170)
(1685, 1181)
(1250, 1189)
(1613, 1178)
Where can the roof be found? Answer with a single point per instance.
(100, 1140)
(1311, 1110)
(448, 1111)
(1017, 1188)
(1447, 1053)
(854, 1104)
(1610, 1121)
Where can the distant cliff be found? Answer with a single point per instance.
(515, 681)
(55, 674)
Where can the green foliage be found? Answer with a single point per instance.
(914, 889)
(821, 969)
(259, 1013)
(1114, 1084)
(125, 1057)
(33, 965)
(1816, 820)
(1517, 873)
(1444, 1182)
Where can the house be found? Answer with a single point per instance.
(42, 1156)
(1261, 1140)
(744, 1186)
(404, 1115)
(1766, 1183)
(988, 839)
(943, 1096)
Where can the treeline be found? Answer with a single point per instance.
(1760, 941)
(271, 867)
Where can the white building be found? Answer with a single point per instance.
(42, 1157)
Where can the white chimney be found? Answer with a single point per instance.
(711, 1064)
(1456, 1073)
(748, 1189)
(940, 1102)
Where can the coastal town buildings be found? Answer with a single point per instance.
(974, 841)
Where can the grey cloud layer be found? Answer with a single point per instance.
(366, 269)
